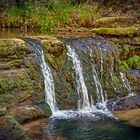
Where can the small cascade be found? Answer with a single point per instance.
(126, 84)
(48, 77)
(93, 66)
(83, 102)
(101, 96)
(100, 106)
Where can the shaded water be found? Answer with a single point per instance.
(88, 129)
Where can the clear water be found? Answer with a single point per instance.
(88, 129)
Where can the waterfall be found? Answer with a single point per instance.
(48, 77)
(83, 102)
(90, 67)
(81, 86)
(126, 84)
(101, 96)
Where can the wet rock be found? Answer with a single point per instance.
(29, 112)
(10, 129)
(132, 117)
(125, 103)
(36, 127)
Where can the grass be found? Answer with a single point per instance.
(50, 16)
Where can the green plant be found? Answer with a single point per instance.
(134, 62)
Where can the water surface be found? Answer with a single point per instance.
(92, 129)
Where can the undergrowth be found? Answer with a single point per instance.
(49, 16)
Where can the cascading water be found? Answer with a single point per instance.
(48, 77)
(83, 102)
(101, 100)
(89, 65)
(81, 86)
(126, 84)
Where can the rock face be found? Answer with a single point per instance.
(20, 79)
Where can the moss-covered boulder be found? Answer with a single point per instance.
(20, 76)
(128, 32)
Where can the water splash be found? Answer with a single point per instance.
(48, 77)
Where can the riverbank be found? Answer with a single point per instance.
(47, 16)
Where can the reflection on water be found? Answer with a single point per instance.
(12, 33)
(87, 129)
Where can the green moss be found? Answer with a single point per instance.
(115, 44)
(137, 38)
(116, 81)
(130, 63)
(126, 48)
(123, 65)
(21, 79)
(116, 31)
(134, 62)
(3, 111)
(11, 49)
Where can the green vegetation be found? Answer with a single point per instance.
(137, 38)
(116, 81)
(130, 32)
(130, 63)
(126, 48)
(49, 16)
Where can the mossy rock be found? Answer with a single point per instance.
(20, 75)
(128, 32)
(30, 112)
(115, 22)
(137, 38)
(11, 129)
(11, 49)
